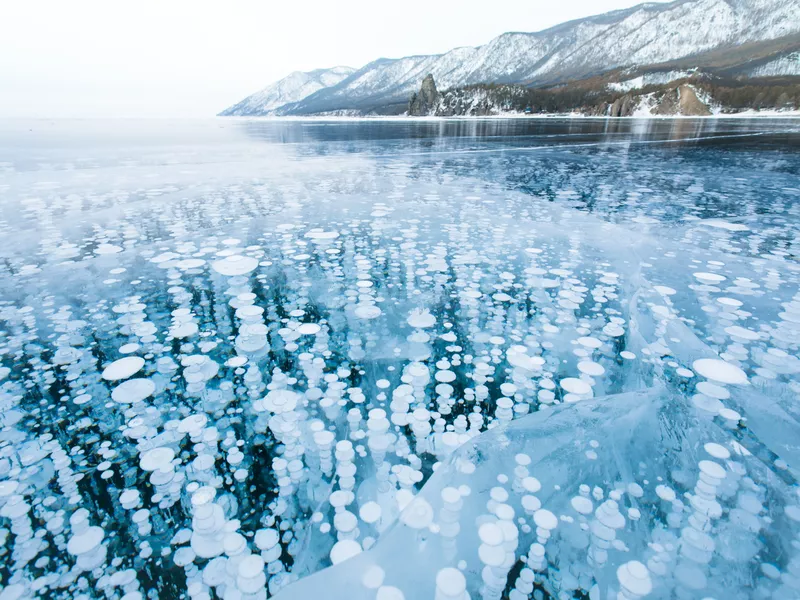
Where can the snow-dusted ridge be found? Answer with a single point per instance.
(783, 65)
(645, 34)
(294, 87)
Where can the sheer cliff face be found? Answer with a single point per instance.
(425, 102)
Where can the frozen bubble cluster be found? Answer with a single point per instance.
(374, 367)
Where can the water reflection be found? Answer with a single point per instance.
(515, 132)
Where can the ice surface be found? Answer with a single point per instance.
(620, 448)
(395, 360)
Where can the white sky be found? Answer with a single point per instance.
(154, 58)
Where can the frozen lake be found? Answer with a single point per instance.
(499, 358)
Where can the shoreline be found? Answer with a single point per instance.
(786, 116)
(561, 116)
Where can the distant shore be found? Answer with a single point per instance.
(741, 115)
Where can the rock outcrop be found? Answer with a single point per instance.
(696, 96)
(690, 104)
(622, 107)
(425, 101)
(681, 100)
(668, 103)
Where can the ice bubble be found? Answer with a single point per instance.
(730, 415)
(445, 376)
(133, 390)
(712, 390)
(236, 361)
(370, 512)
(770, 570)
(665, 493)
(576, 386)
(345, 521)
(545, 519)
(66, 356)
(107, 249)
(373, 577)
(123, 368)
(8, 488)
(14, 591)
(308, 329)
(85, 542)
(344, 549)
(582, 505)
(421, 319)
(235, 265)
(709, 278)
(418, 514)
(191, 263)
(234, 543)
(590, 342)
(367, 311)
(740, 333)
(634, 577)
(157, 459)
(531, 484)
(729, 302)
(266, 539)
(531, 504)
(491, 534)
(450, 582)
(388, 592)
(193, 424)
(590, 368)
(719, 370)
(635, 490)
(321, 235)
(613, 330)
(251, 567)
(280, 401)
(727, 225)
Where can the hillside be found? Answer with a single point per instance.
(290, 89)
(674, 34)
(695, 94)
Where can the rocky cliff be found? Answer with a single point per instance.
(425, 101)
(693, 94)
(681, 100)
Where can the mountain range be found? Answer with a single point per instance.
(632, 39)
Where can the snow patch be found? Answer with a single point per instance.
(656, 78)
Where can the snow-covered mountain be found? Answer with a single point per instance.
(645, 34)
(294, 87)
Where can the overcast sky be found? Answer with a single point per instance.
(153, 58)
